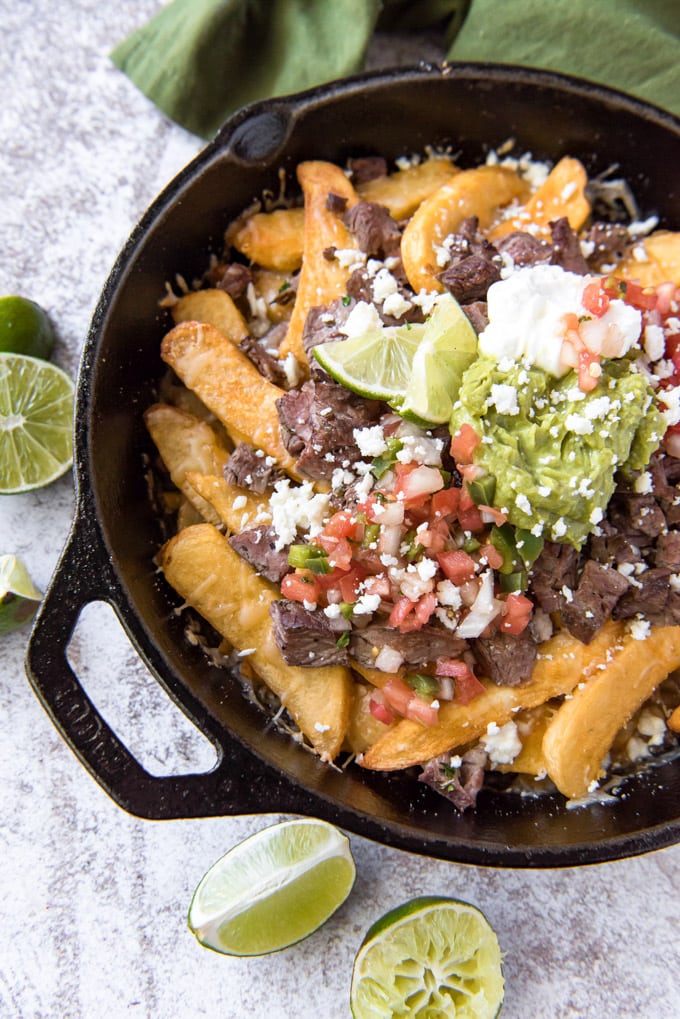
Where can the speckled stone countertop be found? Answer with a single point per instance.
(92, 901)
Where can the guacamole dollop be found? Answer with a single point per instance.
(553, 449)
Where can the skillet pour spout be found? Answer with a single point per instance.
(468, 108)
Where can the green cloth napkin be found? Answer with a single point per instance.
(199, 60)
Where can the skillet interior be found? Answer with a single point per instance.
(470, 108)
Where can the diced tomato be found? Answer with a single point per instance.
(463, 444)
(349, 584)
(467, 686)
(380, 711)
(402, 607)
(471, 519)
(300, 587)
(494, 514)
(405, 702)
(518, 613)
(587, 380)
(445, 502)
(457, 565)
(643, 298)
(341, 555)
(379, 585)
(493, 557)
(424, 608)
(342, 524)
(666, 294)
(595, 300)
(434, 538)
(398, 694)
(466, 500)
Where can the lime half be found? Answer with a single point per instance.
(24, 327)
(448, 348)
(19, 597)
(376, 364)
(417, 368)
(36, 413)
(431, 957)
(273, 889)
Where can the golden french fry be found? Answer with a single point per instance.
(580, 734)
(674, 720)
(655, 259)
(531, 725)
(563, 663)
(214, 307)
(271, 239)
(209, 575)
(187, 514)
(321, 280)
(561, 194)
(235, 508)
(229, 385)
(481, 192)
(186, 444)
(403, 191)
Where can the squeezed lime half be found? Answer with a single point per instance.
(19, 597)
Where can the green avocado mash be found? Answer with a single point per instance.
(553, 449)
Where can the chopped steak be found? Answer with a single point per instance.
(525, 249)
(667, 550)
(249, 468)
(267, 365)
(375, 231)
(553, 571)
(639, 517)
(647, 595)
(360, 287)
(609, 241)
(322, 324)
(477, 312)
(317, 425)
(507, 659)
(232, 277)
(257, 547)
(415, 647)
(470, 278)
(305, 637)
(592, 602)
(567, 248)
(665, 472)
(336, 203)
(460, 785)
(611, 548)
(366, 168)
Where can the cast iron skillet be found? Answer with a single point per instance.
(115, 535)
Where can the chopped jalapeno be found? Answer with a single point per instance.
(308, 557)
(482, 490)
(423, 684)
(512, 582)
(382, 463)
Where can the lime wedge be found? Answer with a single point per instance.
(19, 597)
(376, 365)
(429, 957)
(36, 411)
(273, 889)
(448, 348)
(24, 327)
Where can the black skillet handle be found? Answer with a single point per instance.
(234, 786)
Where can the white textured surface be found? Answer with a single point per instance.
(93, 902)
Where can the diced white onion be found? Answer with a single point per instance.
(388, 660)
(484, 610)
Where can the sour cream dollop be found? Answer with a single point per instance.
(528, 315)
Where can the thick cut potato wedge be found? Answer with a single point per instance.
(214, 307)
(481, 192)
(235, 508)
(563, 663)
(579, 736)
(200, 564)
(186, 444)
(531, 725)
(563, 193)
(363, 729)
(661, 262)
(403, 191)
(321, 280)
(272, 240)
(229, 385)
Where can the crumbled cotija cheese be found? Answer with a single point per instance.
(502, 744)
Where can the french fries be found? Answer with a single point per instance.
(563, 663)
(563, 193)
(581, 732)
(186, 444)
(272, 240)
(236, 509)
(321, 279)
(229, 384)
(214, 307)
(654, 260)
(402, 191)
(481, 192)
(202, 567)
